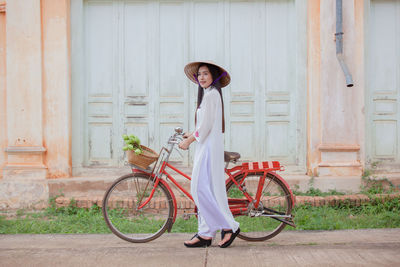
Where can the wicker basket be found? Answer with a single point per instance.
(143, 160)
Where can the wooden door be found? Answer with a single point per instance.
(383, 85)
(133, 53)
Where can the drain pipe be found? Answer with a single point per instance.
(339, 43)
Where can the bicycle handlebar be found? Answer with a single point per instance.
(177, 137)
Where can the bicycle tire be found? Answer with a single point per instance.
(250, 226)
(130, 224)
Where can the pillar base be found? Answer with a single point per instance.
(343, 170)
(18, 194)
(339, 160)
(20, 172)
(25, 163)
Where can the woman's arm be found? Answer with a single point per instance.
(209, 105)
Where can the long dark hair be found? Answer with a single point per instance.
(215, 73)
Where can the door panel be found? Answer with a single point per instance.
(135, 52)
(101, 84)
(205, 32)
(383, 83)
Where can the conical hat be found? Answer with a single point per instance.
(192, 68)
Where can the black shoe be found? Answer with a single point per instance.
(233, 236)
(202, 243)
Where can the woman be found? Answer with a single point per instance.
(208, 183)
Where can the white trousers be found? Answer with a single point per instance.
(210, 216)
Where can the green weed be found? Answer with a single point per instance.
(377, 213)
(312, 191)
(372, 184)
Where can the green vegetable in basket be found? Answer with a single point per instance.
(132, 143)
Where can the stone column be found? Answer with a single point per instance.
(24, 173)
(335, 111)
(24, 91)
(314, 87)
(3, 95)
(57, 87)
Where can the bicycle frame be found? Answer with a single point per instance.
(237, 206)
(158, 178)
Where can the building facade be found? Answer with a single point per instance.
(77, 74)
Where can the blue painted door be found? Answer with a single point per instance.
(383, 85)
(128, 75)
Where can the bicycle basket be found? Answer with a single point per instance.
(143, 160)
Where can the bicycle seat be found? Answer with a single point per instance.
(231, 156)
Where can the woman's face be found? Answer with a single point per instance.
(204, 77)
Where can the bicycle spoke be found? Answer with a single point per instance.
(267, 219)
(120, 211)
(137, 186)
(275, 197)
(269, 181)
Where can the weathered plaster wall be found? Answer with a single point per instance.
(24, 91)
(24, 173)
(358, 71)
(3, 124)
(35, 97)
(335, 111)
(56, 87)
(24, 73)
(314, 84)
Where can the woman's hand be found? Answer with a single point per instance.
(186, 142)
(186, 135)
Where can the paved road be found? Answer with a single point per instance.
(379, 247)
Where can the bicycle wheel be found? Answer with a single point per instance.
(258, 224)
(121, 213)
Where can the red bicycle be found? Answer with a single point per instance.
(140, 206)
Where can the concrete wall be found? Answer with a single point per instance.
(56, 87)
(3, 95)
(335, 117)
(35, 97)
(35, 89)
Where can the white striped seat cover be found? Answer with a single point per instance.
(262, 165)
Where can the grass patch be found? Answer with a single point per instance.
(315, 192)
(234, 192)
(55, 220)
(372, 183)
(376, 214)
